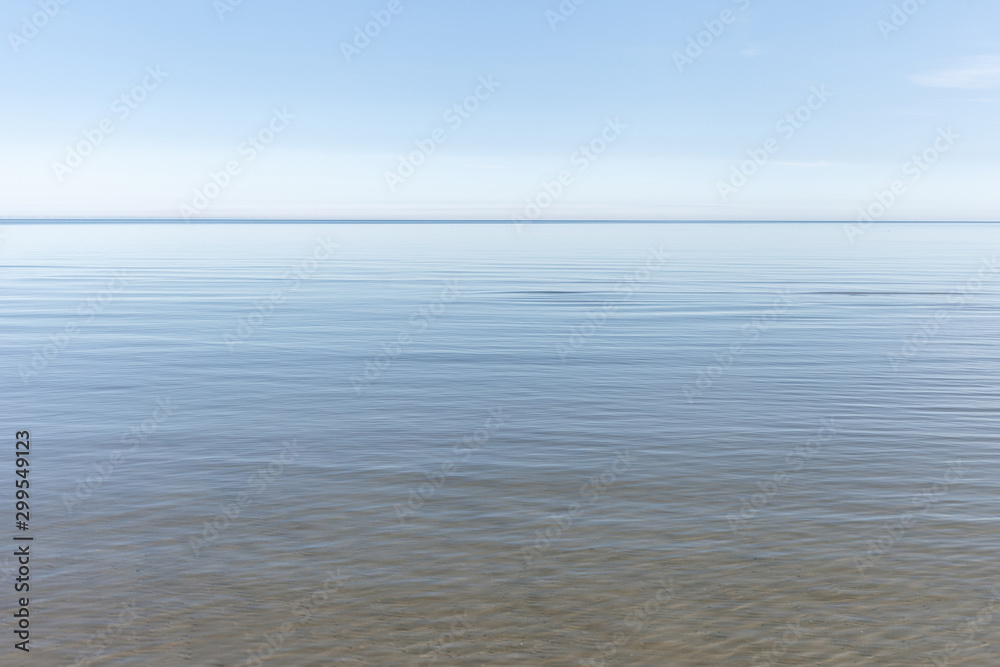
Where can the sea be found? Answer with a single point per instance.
(472, 444)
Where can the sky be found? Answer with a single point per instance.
(864, 110)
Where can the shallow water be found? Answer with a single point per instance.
(626, 444)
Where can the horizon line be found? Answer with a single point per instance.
(472, 221)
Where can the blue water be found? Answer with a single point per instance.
(625, 444)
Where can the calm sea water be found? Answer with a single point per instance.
(577, 444)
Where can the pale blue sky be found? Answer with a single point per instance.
(678, 132)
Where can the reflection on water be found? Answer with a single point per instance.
(461, 445)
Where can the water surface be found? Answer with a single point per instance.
(625, 444)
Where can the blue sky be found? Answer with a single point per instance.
(603, 110)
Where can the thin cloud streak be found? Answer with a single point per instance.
(978, 74)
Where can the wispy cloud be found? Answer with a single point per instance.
(820, 163)
(978, 73)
